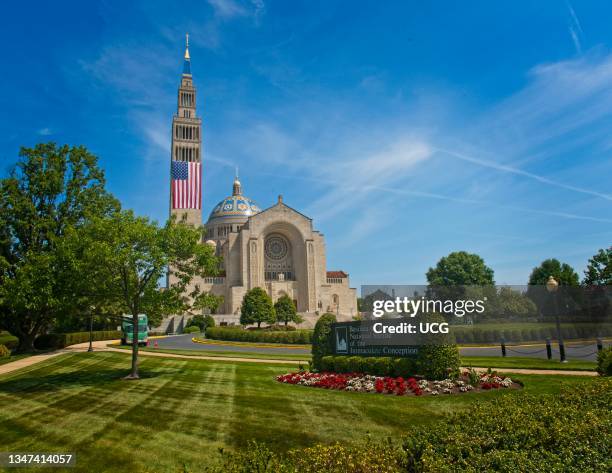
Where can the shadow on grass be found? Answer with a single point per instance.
(57, 381)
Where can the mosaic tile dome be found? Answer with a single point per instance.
(236, 206)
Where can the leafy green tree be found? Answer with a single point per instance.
(599, 269)
(257, 308)
(559, 302)
(207, 301)
(460, 269)
(201, 321)
(128, 255)
(508, 304)
(50, 190)
(456, 274)
(286, 311)
(562, 272)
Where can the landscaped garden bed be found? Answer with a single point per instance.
(469, 381)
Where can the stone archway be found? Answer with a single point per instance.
(284, 262)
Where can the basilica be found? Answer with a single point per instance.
(276, 248)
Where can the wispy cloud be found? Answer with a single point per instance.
(519, 172)
(563, 107)
(575, 29)
(45, 131)
(231, 8)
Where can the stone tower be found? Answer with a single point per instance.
(186, 154)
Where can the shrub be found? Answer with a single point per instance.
(604, 362)
(8, 340)
(191, 329)
(489, 336)
(466, 336)
(437, 361)
(327, 363)
(514, 335)
(342, 364)
(356, 364)
(4, 352)
(239, 334)
(61, 340)
(202, 322)
(378, 366)
(566, 432)
(322, 339)
(404, 367)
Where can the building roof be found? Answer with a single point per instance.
(234, 207)
(336, 274)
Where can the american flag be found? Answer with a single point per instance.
(186, 185)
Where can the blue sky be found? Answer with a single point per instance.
(406, 130)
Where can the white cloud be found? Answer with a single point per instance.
(227, 9)
(45, 131)
(511, 170)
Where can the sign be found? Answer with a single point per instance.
(358, 339)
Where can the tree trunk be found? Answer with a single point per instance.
(134, 373)
(26, 343)
(258, 324)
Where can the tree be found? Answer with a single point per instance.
(546, 302)
(562, 272)
(201, 321)
(599, 269)
(257, 308)
(128, 255)
(207, 301)
(285, 310)
(508, 304)
(460, 269)
(453, 274)
(50, 190)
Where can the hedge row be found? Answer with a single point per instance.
(61, 340)
(566, 432)
(477, 335)
(241, 335)
(378, 366)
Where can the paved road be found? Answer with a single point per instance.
(574, 351)
(183, 342)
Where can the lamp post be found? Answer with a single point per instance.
(552, 286)
(91, 328)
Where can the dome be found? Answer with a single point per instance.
(235, 207)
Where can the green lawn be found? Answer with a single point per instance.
(182, 411)
(527, 363)
(236, 354)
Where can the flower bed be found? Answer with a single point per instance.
(399, 386)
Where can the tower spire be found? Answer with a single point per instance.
(187, 61)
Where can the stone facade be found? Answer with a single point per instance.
(277, 249)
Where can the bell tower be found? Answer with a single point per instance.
(186, 154)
